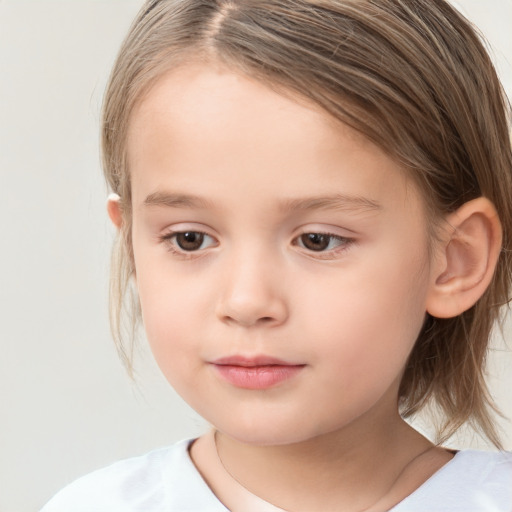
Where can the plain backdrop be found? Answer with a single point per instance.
(66, 404)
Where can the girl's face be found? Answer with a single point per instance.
(281, 258)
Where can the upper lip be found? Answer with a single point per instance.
(262, 360)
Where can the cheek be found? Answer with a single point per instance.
(371, 316)
(171, 312)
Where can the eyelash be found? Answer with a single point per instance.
(169, 239)
(344, 244)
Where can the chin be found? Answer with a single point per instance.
(266, 433)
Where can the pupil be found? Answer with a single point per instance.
(315, 241)
(190, 240)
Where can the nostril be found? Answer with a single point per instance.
(238, 319)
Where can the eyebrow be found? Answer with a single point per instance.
(342, 202)
(171, 200)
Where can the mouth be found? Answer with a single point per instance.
(260, 372)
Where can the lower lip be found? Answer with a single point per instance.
(257, 377)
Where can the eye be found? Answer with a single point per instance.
(321, 242)
(188, 241)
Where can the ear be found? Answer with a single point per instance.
(465, 259)
(114, 210)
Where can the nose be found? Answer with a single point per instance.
(252, 294)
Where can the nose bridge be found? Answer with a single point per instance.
(252, 288)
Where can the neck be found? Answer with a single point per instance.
(349, 469)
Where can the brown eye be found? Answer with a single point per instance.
(323, 242)
(189, 240)
(315, 241)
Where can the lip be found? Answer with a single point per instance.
(259, 372)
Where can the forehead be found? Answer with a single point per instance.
(205, 124)
(211, 96)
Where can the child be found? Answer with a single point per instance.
(313, 199)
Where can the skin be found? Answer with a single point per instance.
(211, 151)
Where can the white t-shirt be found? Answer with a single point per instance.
(166, 480)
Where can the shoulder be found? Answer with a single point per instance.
(163, 479)
(484, 470)
(473, 480)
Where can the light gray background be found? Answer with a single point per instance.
(66, 405)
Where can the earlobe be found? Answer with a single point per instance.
(466, 258)
(114, 210)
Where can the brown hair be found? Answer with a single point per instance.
(411, 75)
